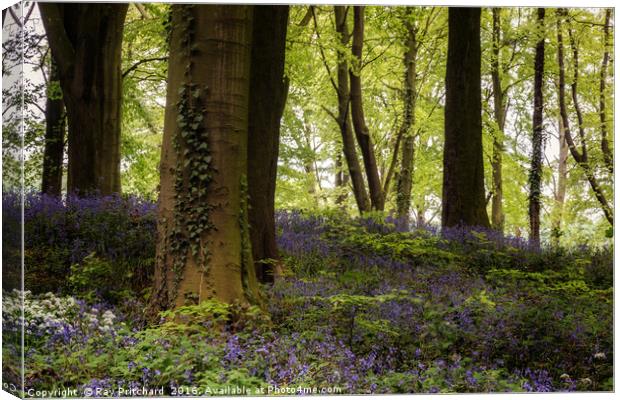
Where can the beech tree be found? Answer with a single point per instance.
(403, 190)
(362, 134)
(366, 98)
(85, 40)
(55, 126)
(463, 199)
(559, 193)
(499, 111)
(537, 133)
(344, 117)
(204, 249)
(268, 89)
(417, 29)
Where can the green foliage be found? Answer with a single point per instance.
(144, 66)
(365, 318)
(460, 375)
(311, 141)
(96, 278)
(209, 315)
(400, 246)
(361, 305)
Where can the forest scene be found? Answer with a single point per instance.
(306, 199)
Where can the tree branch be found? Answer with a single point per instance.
(141, 10)
(138, 63)
(306, 19)
(323, 58)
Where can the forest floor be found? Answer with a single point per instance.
(364, 306)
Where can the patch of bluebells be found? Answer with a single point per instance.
(62, 231)
(478, 235)
(113, 226)
(301, 235)
(411, 324)
(455, 307)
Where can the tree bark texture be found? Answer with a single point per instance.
(344, 118)
(268, 90)
(86, 42)
(463, 197)
(390, 173)
(204, 248)
(537, 133)
(404, 184)
(497, 208)
(362, 133)
(560, 190)
(53, 151)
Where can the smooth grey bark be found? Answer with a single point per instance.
(499, 111)
(362, 133)
(404, 183)
(344, 117)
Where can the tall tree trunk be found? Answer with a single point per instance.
(344, 118)
(204, 248)
(403, 187)
(581, 157)
(268, 90)
(340, 180)
(85, 40)
(497, 208)
(463, 197)
(357, 113)
(608, 156)
(312, 165)
(393, 161)
(304, 144)
(53, 152)
(560, 190)
(537, 134)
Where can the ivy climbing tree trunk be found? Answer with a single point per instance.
(344, 118)
(85, 40)
(537, 133)
(463, 197)
(403, 187)
(54, 148)
(499, 111)
(268, 90)
(362, 133)
(204, 248)
(580, 156)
